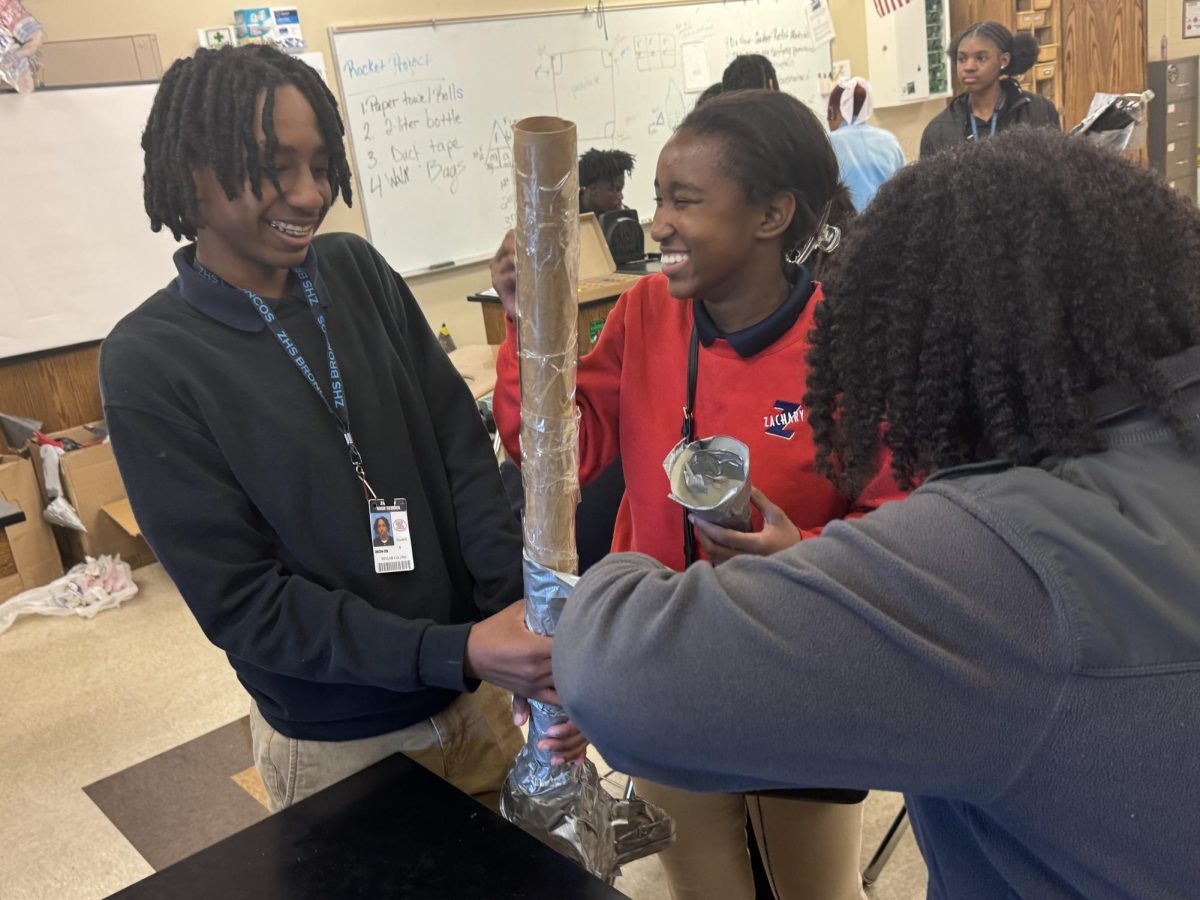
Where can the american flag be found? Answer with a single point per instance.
(883, 7)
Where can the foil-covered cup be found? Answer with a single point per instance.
(711, 477)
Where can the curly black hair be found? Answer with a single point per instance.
(749, 71)
(203, 115)
(983, 295)
(774, 144)
(1022, 47)
(603, 165)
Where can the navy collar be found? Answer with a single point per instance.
(228, 305)
(761, 335)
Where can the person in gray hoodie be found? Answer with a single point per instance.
(1016, 646)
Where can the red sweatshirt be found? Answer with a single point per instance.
(631, 391)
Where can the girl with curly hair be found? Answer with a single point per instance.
(1016, 646)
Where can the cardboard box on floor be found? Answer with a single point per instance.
(30, 544)
(92, 484)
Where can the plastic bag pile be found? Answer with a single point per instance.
(87, 589)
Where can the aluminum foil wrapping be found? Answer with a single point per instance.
(711, 477)
(565, 805)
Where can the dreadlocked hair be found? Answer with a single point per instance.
(773, 144)
(203, 115)
(984, 294)
(603, 165)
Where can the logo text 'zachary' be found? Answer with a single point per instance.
(786, 414)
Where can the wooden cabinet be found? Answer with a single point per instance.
(1171, 134)
(1044, 21)
(592, 314)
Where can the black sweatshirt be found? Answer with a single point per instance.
(241, 481)
(952, 126)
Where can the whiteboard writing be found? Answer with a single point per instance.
(429, 110)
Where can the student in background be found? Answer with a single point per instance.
(1015, 646)
(988, 57)
(602, 180)
(867, 156)
(749, 71)
(747, 186)
(230, 395)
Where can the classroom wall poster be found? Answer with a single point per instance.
(1191, 18)
(821, 22)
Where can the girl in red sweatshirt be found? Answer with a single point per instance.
(748, 196)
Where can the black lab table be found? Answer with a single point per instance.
(393, 830)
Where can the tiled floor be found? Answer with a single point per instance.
(83, 700)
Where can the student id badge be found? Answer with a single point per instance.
(391, 543)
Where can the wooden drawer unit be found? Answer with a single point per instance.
(1172, 129)
(1027, 21)
(1041, 18)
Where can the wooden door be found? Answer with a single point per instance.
(967, 12)
(1102, 48)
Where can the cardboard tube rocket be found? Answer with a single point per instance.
(565, 806)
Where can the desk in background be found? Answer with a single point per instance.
(393, 830)
(476, 363)
(592, 313)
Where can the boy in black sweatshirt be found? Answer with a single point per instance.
(272, 404)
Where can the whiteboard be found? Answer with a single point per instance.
(429, 107)
(76, 250)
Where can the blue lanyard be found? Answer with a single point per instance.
(337, 385)
(975, 128)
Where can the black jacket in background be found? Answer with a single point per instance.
(953, 124)
(241, 482)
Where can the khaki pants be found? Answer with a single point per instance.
(471, 743)
(809, 849)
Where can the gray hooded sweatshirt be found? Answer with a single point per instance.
(1017, 649)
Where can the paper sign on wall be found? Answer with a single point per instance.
(696, 76)
(820, 21)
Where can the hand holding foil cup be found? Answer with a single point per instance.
(711, 477)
